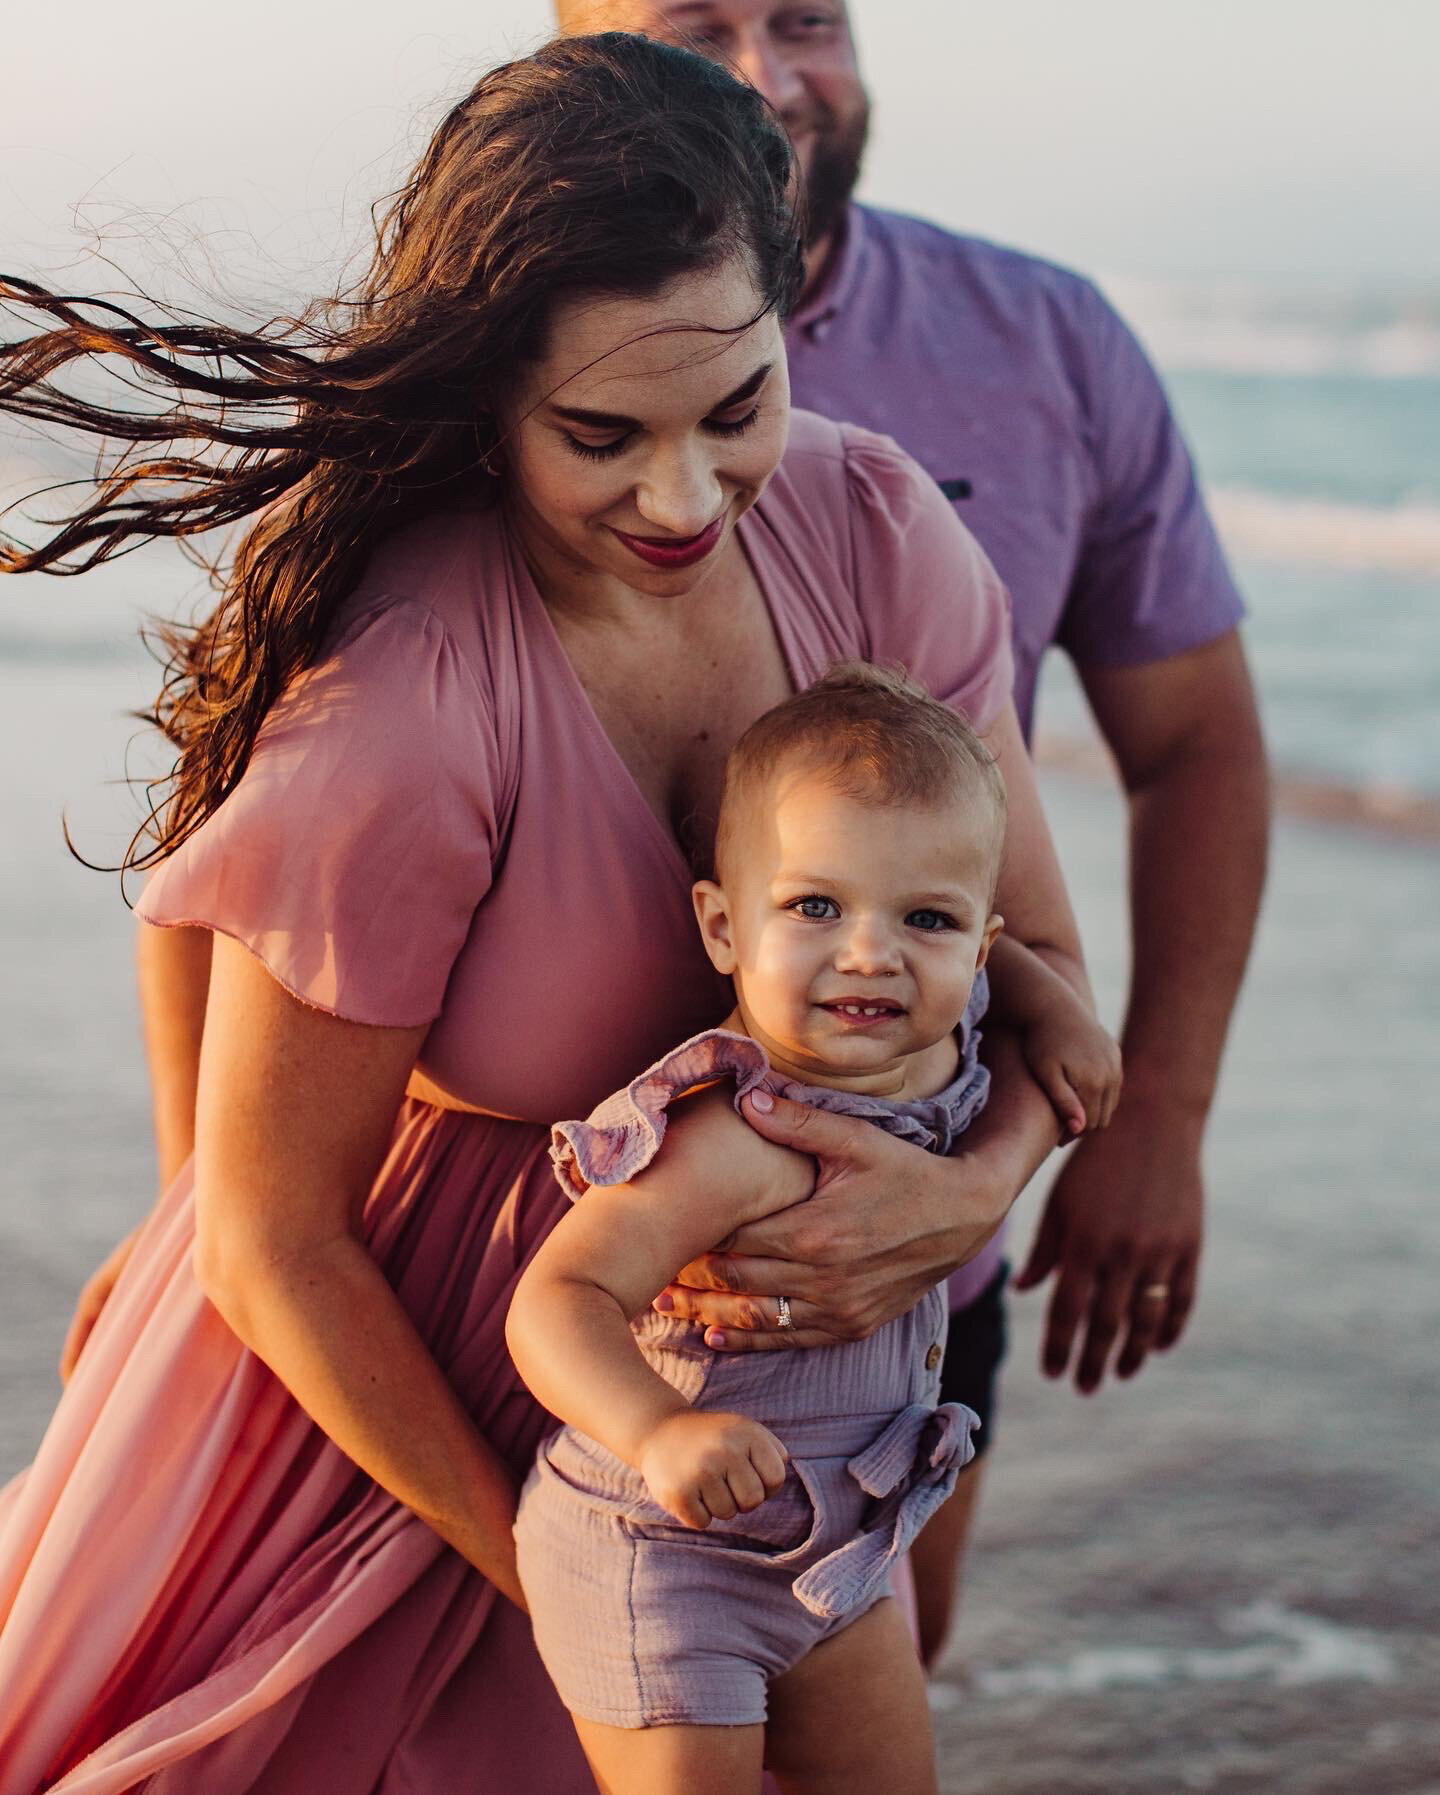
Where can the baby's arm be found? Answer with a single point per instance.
(569, 1323)
(1074, 1060)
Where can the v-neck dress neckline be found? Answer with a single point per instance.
(580, 702)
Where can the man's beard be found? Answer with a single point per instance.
(834, 170)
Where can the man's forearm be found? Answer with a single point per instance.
(1198, 838)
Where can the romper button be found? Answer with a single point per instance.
(932, 1358)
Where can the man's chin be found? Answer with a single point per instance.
(831, 177)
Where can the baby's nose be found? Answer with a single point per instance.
(869, 950)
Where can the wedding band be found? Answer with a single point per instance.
(782, 1320)
(1155, 1293)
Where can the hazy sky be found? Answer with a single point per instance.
(1291, 140)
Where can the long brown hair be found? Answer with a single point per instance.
(606, 164)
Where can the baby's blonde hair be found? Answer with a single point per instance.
(876, 736)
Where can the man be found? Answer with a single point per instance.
(1019, 389)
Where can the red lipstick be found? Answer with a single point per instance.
(674, 551)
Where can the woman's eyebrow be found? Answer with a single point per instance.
(614, 420)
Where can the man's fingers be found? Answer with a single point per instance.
(1149, 1304)
(1068, 1305)
(1044, 1254)
(1107, 1316)
(1182, 1300)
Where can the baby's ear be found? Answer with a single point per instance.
(712, 912)
(993, 925)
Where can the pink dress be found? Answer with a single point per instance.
(196, 1586)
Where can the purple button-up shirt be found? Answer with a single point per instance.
(1019, 389)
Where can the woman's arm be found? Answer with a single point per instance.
(294, 1113)
(569, 1330)
(173, 974)
(172, 969)
(887, 1221)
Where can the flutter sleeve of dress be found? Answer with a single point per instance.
(930, 600)
(352, 853)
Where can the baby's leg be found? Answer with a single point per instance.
(674, 1760)
(852, 1716)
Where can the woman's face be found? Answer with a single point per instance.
(638, 440)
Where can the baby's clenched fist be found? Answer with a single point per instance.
(704, 1466)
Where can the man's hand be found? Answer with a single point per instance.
(703, 1466)
(886, 1222)
(1121, 1228)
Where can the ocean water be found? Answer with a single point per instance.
(1316, 426)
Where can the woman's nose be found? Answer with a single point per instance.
(679, 492)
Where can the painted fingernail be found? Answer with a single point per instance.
(763, 1101)
(664, 1302)
(714, 1337)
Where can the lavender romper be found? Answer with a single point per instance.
(644, 1622)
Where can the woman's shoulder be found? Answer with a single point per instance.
(442, 584)
(825, 458)
(865, 519)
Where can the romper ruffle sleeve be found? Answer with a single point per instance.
(355, 847)
(623, 1134)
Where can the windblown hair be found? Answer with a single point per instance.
(607, 165)
(876, 736)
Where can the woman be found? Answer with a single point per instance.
(532, 552)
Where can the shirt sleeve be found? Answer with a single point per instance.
(1151, 579)
(352, 852)
(929, 599)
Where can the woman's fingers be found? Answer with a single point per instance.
(818, 1132)
(86, 1314)
(736, 1313)
(766, 1339)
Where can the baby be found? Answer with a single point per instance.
(705, 1547)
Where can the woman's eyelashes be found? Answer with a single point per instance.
(616, 446)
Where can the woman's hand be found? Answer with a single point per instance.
(93, 1299)
(885, 1224)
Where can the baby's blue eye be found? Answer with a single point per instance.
(931, 921)
(817, 909)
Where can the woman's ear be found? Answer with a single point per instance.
(993, 925)
(712, 912)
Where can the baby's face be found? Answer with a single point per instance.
(852, 931)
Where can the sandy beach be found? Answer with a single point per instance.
(1221, 1577)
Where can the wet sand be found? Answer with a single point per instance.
(1221, 1577)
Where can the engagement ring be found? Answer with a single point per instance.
(783, 1319)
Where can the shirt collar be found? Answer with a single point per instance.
(842, 278)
